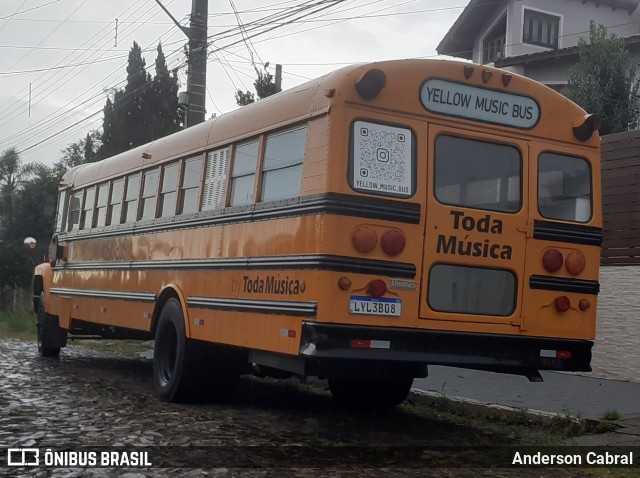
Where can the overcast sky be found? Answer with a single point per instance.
(66, 50)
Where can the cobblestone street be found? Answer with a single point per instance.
(94, 399)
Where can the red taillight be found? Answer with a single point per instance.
(552, 260)
(377, 288)
(575, 263)
(563, 354)
(392, 242)
(563, 303)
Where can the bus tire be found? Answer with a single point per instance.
(174, 376)
(367, 393)
(50, 336)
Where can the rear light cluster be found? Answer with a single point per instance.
(365, 240)
(574, 263)
(552, 261)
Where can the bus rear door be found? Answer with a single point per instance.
(476, 224)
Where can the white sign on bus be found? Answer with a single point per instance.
(480, 104)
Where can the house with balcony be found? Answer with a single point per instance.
(537, 38)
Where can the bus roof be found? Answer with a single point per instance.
(317, 96)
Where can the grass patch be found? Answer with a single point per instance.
(18, 325)
(611, 415)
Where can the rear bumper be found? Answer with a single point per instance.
(330, 343)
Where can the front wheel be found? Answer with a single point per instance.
(51, 337)
(366, 393)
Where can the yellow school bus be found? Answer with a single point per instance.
(358, 227)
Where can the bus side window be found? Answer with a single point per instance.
(87, 211)
(131, 198)
(149, 195)
(115, 203)
(190, 186)
(169, 190)
(75, 204)
(282, 169)
(243, 176)
(100, 215)
(215, 181)
(61, 214)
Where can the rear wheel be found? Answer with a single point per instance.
(51, 337)
(370, 393)
(186, 370)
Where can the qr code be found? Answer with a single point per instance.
(383, 154)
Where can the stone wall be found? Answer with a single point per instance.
(616, 354)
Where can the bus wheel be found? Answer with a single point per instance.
(51, 338)
(370, 393)
(173, 373)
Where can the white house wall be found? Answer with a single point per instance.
(575, 18)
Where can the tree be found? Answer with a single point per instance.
(82, 151)
(264, 85)
(605, 82)
(12, 175)
(36, 206)
(146, 109)
(244, 98)
(166, 117)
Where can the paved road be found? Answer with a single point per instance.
(579, 395)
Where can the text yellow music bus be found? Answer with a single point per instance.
(358, 227)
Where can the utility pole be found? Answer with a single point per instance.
(197, 59)
(197, 75)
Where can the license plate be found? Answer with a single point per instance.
(372, 306)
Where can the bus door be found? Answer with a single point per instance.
(563, 246)
(476, 225)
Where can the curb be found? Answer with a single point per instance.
(461, 405)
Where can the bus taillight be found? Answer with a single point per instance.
(552, 260)
(364, 239)
(563, 303)
(393, 242)
(377, 288)
(575, 263)
(584, 304)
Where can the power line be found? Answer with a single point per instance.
(29, 9)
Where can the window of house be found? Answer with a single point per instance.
(149, 195)
(282, 166)
(540, 29)
(190, 186)
(169, 190)
(86, 218)
(477, 174)
(130, 213)
(115, 203)
(75, 206)
(243, 176)
(215, 179)
(494, 42)
(100, 215)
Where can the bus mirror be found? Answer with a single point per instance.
(584, 126)
(30, 243)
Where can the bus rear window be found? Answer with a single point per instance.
(477, 174)
(564, 187)
(472, 290)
